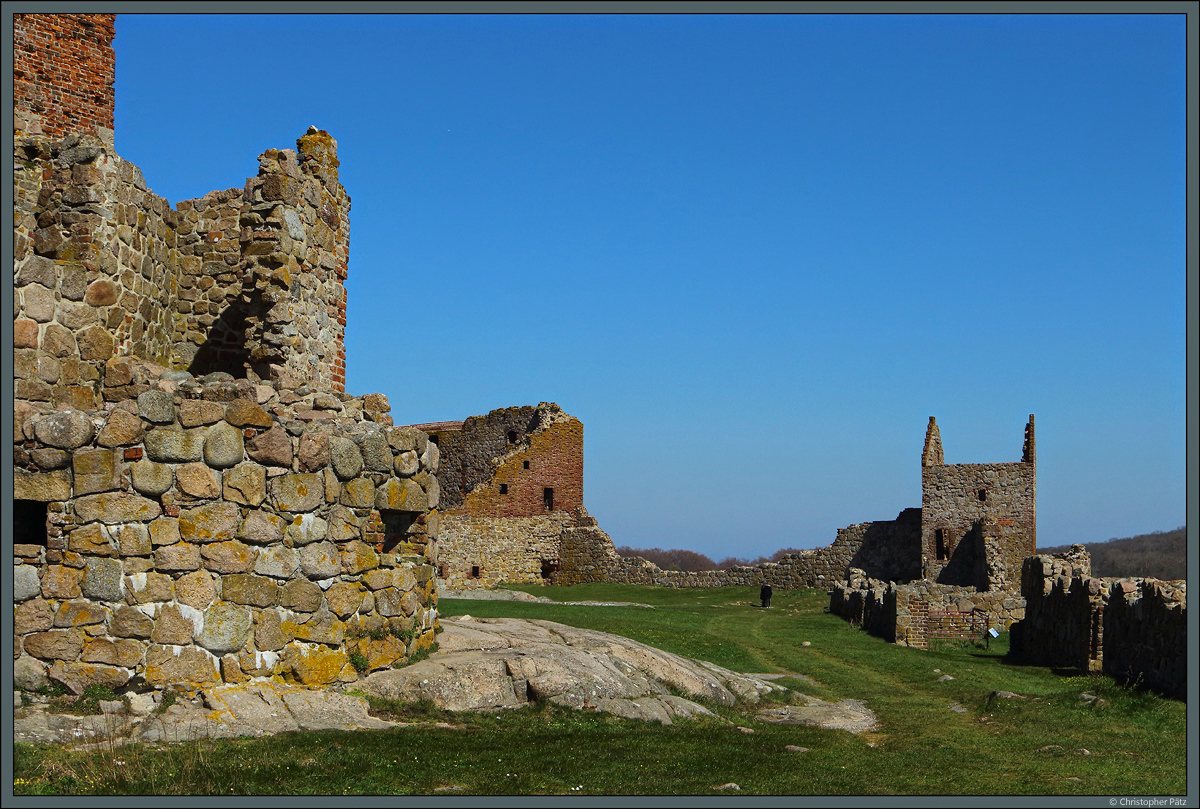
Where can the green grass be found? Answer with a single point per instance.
(998, 746)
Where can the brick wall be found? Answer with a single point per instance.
(63, 69)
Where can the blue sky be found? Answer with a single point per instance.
(753, 254)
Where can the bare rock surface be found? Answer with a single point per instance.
(494, 663)
(257, 708)
(850, 714)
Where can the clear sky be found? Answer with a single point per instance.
(753, 254)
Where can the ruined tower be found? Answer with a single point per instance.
(978, 521)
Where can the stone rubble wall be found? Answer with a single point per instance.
(1134, 629)
(587, 555)
(481, 552)
(921, 613)
(213, 530)
(250, 282)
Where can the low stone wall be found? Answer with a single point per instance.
(486, 551)
(921, 613)
(212, 530)
(1134, 628)
(587, 555)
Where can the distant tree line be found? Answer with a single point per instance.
(1159, 555)
(692, 562)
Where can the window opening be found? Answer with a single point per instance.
(940, 539)
(549, 568)
(512, 437)
(503, 488)
(29, 522)
(396, 525)
(983, 495)
(526, 464)
(474, 571)
(548, 498)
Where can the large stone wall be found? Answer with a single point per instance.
(214, 530)
(63, 69)
(250, 282)
(1134, 628)
(196, 498)
(486, 551)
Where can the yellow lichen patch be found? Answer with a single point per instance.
(315, 665)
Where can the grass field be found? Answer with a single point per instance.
(934, 737)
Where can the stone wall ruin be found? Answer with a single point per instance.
(196, 498)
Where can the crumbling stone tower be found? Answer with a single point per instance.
(248, 281)
(978, 521)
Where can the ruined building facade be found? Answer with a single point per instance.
(958, 572)
(511, 490)
(197, 498)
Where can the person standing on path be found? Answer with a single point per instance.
(764, 594)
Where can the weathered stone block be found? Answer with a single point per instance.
(388, 602)
(133, 539)
(175, 666)
(379, 578)
(273, 448)
(306, 528)
(261, 528)
(177, 557)
(247, 588)
(230, 556)
(268, 633)
(246, 483)
(150, 478)
(198, 412)
(314, 665)
(26, 583)
(358, 556)
(156, 406)
(103, 580)
(171, 445)
(406, 438)
(78, 676)
(278, 562)
(401, 495)
(344, 524)
(244, 413)
(92, 540)
(34, 615)
(79, 613)
(320, 560)
(61, 581)
(358, 493)
(65, 429)
(343, 598)
(115, 507)
(175, 624)
(300, 595)
(223, 446)
(55, 644)
(164, 531)
(197, 481)
(196, 590)
(212, 522)
(226, 627)
(313, 451)
(96, 470)
(376, 455)
(42, 486)
(130, 622)
(126, 652)
(149, 586)
(298, 492)
(407, 463)
(344, 457)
